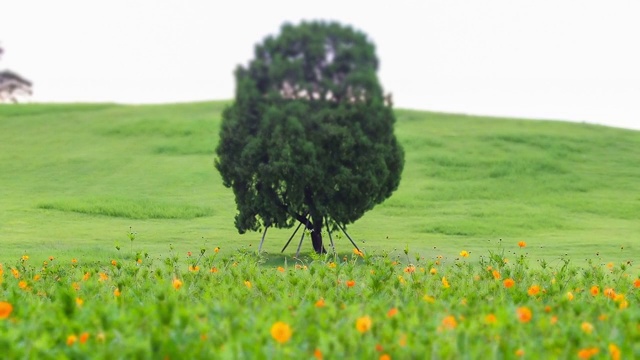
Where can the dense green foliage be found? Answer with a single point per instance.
(309, 138)
(208, 305)
(573, 188)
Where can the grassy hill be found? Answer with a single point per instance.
(75, 178)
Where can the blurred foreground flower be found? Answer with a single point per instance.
(281, 332)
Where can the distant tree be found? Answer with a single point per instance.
(309, 137)
(12, 85)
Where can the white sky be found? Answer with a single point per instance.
(552, 59)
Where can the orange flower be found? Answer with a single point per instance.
(116, 292)
(213, 270)
(586, 327)
(363, 324)
(410, 269)
(74, 261)
(177, 284)
(79, 302)
(114, 263)
(71, 339)
(281, 332)
(15, 273)
(464, 253)
(553, 320)
(280, 268)
(385, 357)
(317, 354)
(86, 276)
(103, 276)
(636, 283)
(22, 284)
(5, 309)
(614, 351)
(610, 293)
(449, 322)
(496, 275)
(379, 348)
(490, 319)
(445, 283)
(195, 268)
(595, 290)
(522, 244)
(358, 252)
(351, 283)
(508, 283)
(75, 286)
(433, 271)
(533, 290)
(84, 337)
(320, 303)
(392, 312)
(520, 353)
(524, 314)
(587, 353)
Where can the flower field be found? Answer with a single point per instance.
(212, 304)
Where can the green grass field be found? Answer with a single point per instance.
(506, 239)
(74, 179)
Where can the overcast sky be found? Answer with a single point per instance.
(552, 59)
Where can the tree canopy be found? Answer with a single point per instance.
(309, 137)
(12, 85)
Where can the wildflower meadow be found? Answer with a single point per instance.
(211, 304)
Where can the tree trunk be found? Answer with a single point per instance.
(316, 236)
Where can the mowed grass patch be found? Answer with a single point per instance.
(139, 209)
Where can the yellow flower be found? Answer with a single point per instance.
(587, 327)
(614, 351)
(496, 275)
(429, 299)
(449, 322)
(213, 270)
(445, 283)
(79, 302)
(116, 292)
(332, 265)
(570, 295)
(363, 324)
(464, 253)
(103, 276)
(433, 271)
(114, 263)
(216, 250)
(71, 339)
(25, 257)
(358, 252)
(5, 309)
(15, 273)
(177, 284)
(194, 268)
(533, 290)
(281, 332)
(247, 283)
(280, 268)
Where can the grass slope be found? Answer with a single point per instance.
(75, 178)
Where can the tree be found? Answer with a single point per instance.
(309, 137)
(12, 85)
